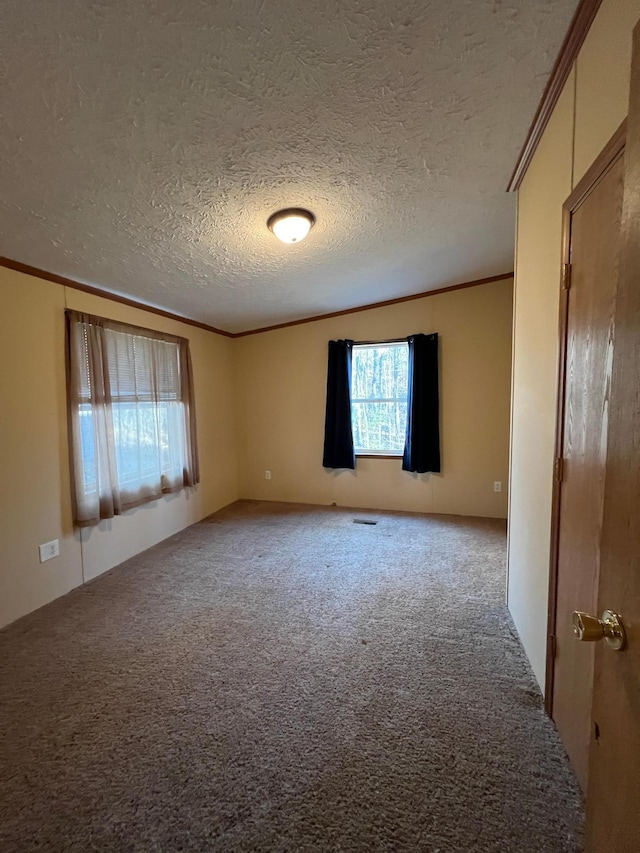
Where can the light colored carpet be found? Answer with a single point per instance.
(278, 678)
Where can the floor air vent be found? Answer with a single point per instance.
(363, 521)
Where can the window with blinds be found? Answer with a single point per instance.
(132, 415)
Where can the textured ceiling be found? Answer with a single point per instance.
(144, 144)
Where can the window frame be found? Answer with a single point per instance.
(171, 409)
(367, 453)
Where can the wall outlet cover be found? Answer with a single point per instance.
(49, 550)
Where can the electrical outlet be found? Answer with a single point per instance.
(49, 550)
(497, 486)
(267, 475)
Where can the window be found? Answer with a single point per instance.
(379, 383)
(131, 414)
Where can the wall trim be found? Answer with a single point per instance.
(17, 266)
(372, 305)
(578, 29)
(598, 169)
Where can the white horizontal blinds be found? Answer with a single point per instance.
(84, 374)
(148, 417)
(143, 368)
(131, 415)
(379, 385)
(86, 362)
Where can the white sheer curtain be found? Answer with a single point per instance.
(131, 416)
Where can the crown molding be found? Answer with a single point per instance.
(17, 266)
(578, 29)
(422, 295)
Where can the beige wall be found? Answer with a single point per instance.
(281, 421)
(281, 380)
(592, 105)
(35, 504)
(263, 395)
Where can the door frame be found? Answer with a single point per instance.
(596, 172)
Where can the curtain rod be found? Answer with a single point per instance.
(372, 343)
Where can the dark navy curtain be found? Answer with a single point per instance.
(422, 445)
(338, 436)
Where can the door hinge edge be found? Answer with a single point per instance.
(566, 276)
(559, 469)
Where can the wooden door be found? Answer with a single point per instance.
(592, 226)
(613, 800)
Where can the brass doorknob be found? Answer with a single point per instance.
(589, 628)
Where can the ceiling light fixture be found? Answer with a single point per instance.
(291, 225)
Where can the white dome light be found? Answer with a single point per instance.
(291, 225)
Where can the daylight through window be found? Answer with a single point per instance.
(379, 383)
(133, 433)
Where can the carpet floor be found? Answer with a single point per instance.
(279, 678)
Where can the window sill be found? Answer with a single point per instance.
(378, 455)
